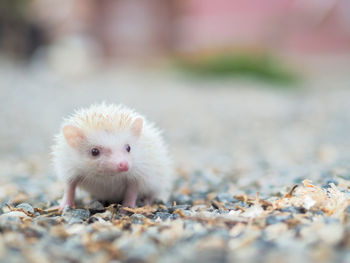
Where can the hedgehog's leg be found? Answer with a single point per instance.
(69, 196)
(130, 196)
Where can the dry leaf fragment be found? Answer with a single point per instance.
(180, 212)
(290, 193)
(144, 210)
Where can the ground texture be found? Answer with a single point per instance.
(263, 173)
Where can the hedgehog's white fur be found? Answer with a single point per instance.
(109, 125)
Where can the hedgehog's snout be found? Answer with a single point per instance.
(123, 166)
(115, 165)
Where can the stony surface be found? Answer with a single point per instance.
(245, 157)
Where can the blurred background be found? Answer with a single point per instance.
(122, 31)
(258, 88)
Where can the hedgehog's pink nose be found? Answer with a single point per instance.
(123, 166)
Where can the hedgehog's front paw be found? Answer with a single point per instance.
(69, 195)
(63, 206)
(66, 202)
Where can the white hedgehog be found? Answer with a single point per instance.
(114, 154)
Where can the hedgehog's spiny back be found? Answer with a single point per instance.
(102, 116)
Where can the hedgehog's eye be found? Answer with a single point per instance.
(95, 152)
(127, 148)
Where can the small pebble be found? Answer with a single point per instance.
(75, 220)
(162, 215)
(26, 207)
(274, 219)
(81, 213)
(13, 216)
(96, 207)
(137, 218)
(330, 181)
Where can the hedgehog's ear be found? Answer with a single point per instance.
(74, 136)
(136, 126)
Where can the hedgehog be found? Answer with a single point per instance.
(114, 154)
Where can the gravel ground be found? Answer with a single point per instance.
(263, 173)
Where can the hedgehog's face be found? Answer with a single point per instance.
(104, 152)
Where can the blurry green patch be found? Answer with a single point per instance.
(262, 66)
(14, 10)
